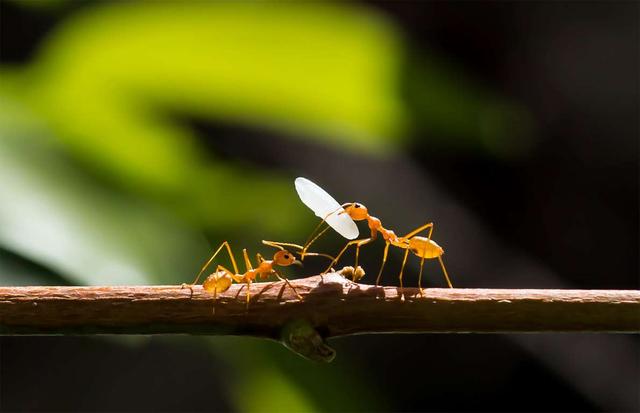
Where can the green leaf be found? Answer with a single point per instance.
(51, 213)
(322, 71)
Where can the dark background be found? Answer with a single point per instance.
(548, 198)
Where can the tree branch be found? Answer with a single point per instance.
(331, 307)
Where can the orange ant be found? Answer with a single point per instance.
(425, 248)
(222, 278)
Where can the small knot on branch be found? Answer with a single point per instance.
(300, 337)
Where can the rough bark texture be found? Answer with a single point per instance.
(331, 305)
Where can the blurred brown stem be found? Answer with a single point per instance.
(334, 306)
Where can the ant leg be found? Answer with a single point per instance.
(233, 261)
(358, 245)
(248, 281)
(384, 260)
(445, 272)
(311, 238)
(422, 228)
(281, 278)
(335, 260)
(308, 244)
(404, 262)
(420, 276)
(247, 261)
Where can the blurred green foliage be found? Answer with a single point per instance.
(50, 214)
(105, 81)
(100, 186)
(449, 105)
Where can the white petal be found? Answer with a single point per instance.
(323, 204)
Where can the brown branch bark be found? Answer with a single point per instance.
(331, 307)
(331, 304)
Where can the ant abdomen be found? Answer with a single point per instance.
(217, 282)
(425, 248)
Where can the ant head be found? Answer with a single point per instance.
(356, 211)
(285, 258)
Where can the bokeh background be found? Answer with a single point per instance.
(136, 136)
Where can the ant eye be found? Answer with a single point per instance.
(286, 256)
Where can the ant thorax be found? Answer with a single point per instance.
(376, 226)
(265, 267)
(374, 223)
